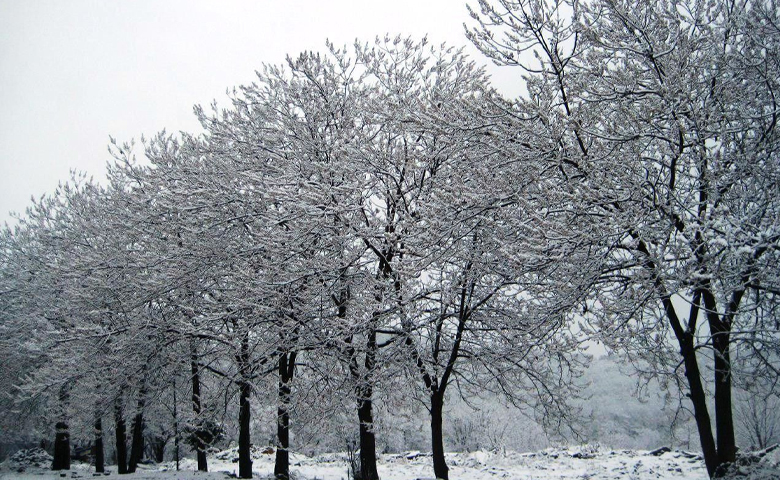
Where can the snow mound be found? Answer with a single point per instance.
(255, 451)
(28, 458)
(760, 465)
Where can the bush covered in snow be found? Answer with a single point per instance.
(26, 458)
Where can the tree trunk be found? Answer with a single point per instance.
(200, 446)
(724, 419)
(61, 447)
(685, 338)
(286, 372)
(121, 434)
(699, 400)
(365, 392)
(176, 427)
(156, 448)
(368, 469)
(440, 468)
(61, 459)
(137, 444)
(97, 449)
(244, 452)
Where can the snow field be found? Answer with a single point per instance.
(551, 464)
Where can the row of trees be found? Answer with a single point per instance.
(341, 222)
(379, 220)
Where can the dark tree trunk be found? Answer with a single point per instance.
(61, 459)
(699, 400)
(137, 444)
(720, 328)
(440, 468)
(244, 454)
(685, 338)
(365, 392)
(724, 420)
(368, 469)
(121, 434)
(286, 372)
(175, 426)
(244, 450)
(97, 449)
(157, 448)
(61, 447)
(200, 446)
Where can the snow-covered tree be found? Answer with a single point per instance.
(665, 119)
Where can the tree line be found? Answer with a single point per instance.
(378, 219)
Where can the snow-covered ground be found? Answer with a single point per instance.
(551, 464)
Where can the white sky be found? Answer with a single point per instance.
(74, 72)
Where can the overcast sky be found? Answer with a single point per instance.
(74, 72)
